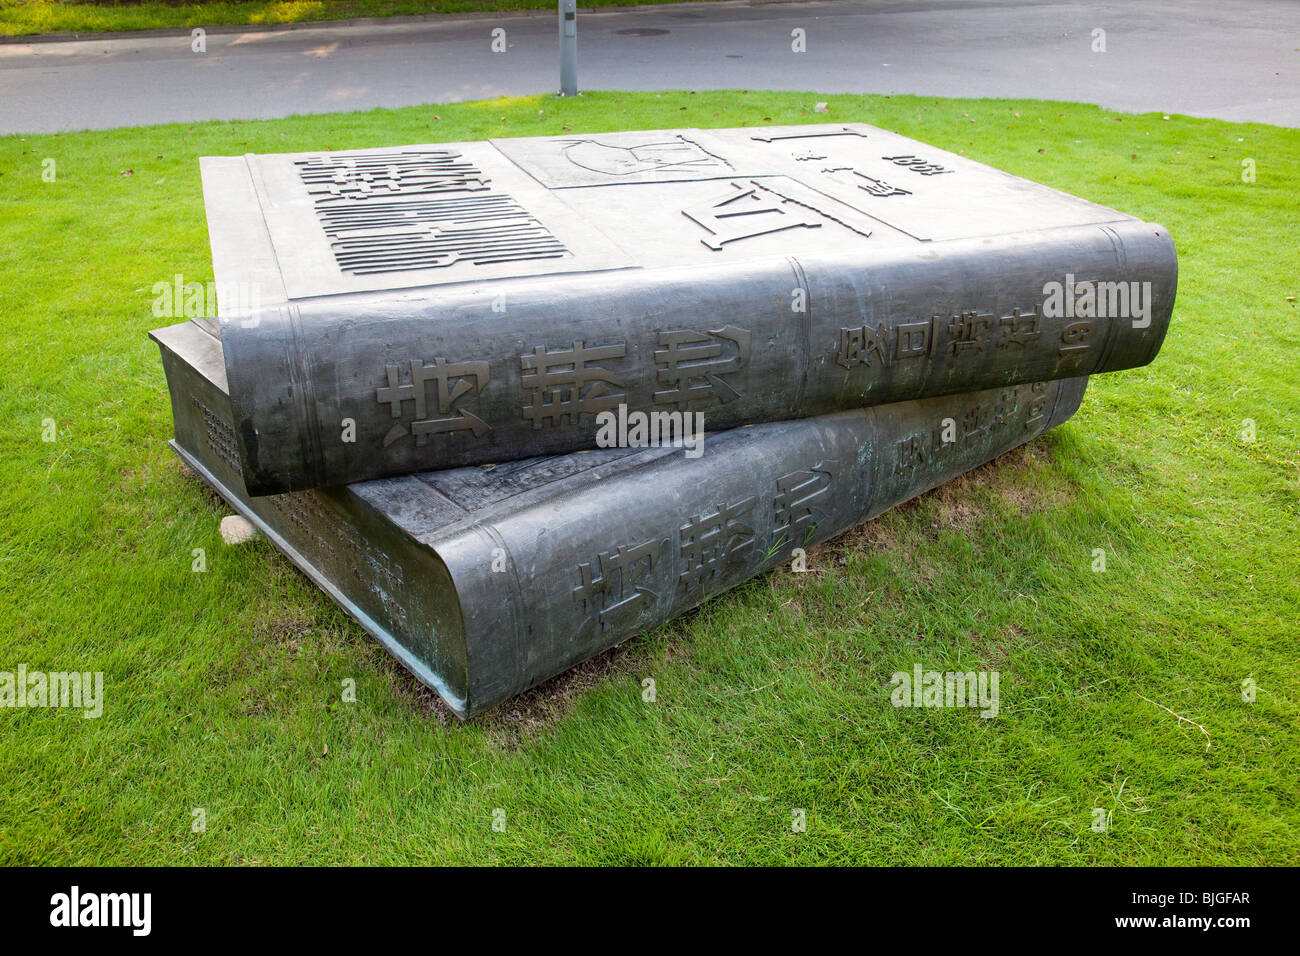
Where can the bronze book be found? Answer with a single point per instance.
(486, 580)
(392, 311)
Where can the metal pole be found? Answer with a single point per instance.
(568, 47)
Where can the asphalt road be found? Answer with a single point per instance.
(1218, 58)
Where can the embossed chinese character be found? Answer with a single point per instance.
(968, 331)
(1005, 406)
(618, 590)
(869, 184)
(857, 344)
(452, 381)
(878, 187)
(797, 493)
(563, 386)
(912, 451)
(711, 542)
(691, 365)
(748, 210)
(974, 421)
(1018, 328)
(914, 340)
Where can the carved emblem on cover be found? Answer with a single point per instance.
(678, 155)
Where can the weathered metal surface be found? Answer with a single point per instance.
(485, 581)
(451, 304)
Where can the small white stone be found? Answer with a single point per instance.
(821, 108)
(236, 529)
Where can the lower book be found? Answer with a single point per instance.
(487, 580)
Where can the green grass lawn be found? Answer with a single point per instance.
(24, 17)
(224, 688)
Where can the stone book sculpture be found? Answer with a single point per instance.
(392, 311)
(486, 580)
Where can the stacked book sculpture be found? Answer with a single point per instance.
(512, 402)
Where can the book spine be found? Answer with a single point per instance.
(394, 587)
(347, 388)
(542, 588)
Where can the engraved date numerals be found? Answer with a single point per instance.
(917, 165)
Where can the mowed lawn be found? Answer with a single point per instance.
(1164, 691)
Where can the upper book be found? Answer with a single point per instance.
(389, 311)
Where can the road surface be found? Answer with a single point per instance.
(1232, 60)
